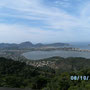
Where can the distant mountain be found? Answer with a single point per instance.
(52, 45)
(27, 45)
(58, 44)
(39, 45)
(7, 45)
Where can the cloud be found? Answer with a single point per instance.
(58, 24)
(63, 3)
(34, 10)
(18, 33)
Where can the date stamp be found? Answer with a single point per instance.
(80, 78)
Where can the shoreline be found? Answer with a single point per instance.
(18, 54)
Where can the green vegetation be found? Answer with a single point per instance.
(18, 74)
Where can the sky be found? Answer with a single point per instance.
(44, 21)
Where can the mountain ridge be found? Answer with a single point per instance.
(28, 44)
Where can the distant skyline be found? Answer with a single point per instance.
(44, 21)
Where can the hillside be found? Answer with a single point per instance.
(63, 64)
(15, 74)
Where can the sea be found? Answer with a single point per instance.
(37, 55)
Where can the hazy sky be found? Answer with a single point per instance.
(44, 21)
